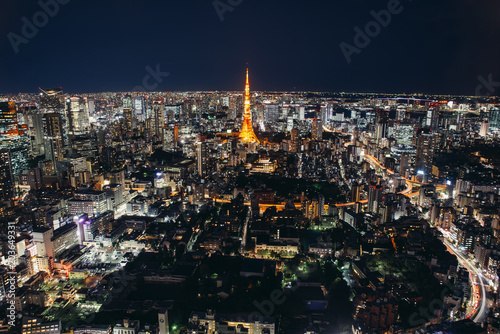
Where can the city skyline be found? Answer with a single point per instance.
(168, 202)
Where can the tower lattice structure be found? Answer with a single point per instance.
(247, 134)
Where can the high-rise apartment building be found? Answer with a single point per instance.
(317, 129)
(201, 158)
(53, 135)
(6, 177)
(425, 152)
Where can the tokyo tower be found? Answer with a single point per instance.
(247, 135)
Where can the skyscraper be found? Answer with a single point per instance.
(375, 194)
(127, 101)
(271, 112)
(247, 134)
(12, 138)
(53, 133)
(159, 117)
(170, 137)
(494, 118)
(128, 118)
(425, 152)
(6, 179)
(34, 127)
(317, 130)
(78, 114)
(201, 158)
(294, 141)
(128, 114)
(432, 120)
(139, 110)
(8, 119)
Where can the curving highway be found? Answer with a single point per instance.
(409, 185)
(480, 306)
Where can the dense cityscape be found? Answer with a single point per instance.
(249, 212)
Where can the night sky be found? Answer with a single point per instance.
(432, 46)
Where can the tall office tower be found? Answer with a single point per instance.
(294, 141)
(380, 132)
(317, 130)
(52, 99)
(289, 124)
(170, 137)
(13, 137)
(139, 109)
(485, 129)
(128, 118)
(374, 198)
(128, 114)
(19, 151)
(8, 120)
(425, 152)
(285, 111)
(127, 102)
(271, 112)
(159, 117)
(91, 106)
(302, 114)
(6, 177)
(432, 120)
(247, 134)
(494, 118)
(201, 158)
(53, 134)
(34, 125)
(381, 125)
(78, 114)
(327, 112)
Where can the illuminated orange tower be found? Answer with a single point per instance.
(247, 135)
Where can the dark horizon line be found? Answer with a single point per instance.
(265, 91)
